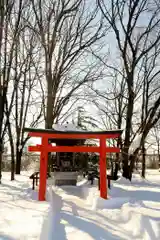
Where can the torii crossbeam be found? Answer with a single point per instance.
(45, 148)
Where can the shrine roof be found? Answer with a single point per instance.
(81, 132)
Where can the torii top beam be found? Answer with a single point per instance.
(36, 132)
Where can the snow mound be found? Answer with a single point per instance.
(133, 203)
(135, 214)
(100, 203)
(123, 181)
(82, 182)
(49, 231)
(90, 195)
(136, 179)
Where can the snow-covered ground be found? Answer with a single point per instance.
(74, 213)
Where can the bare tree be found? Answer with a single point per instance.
(20, 78)
(2, 90)
(150, 110)
(66, 29)
(2, 19)
(7, 48)
(111, 105)
(28, 102)
(135, 38)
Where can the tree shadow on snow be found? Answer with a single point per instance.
(149, 207)
(148, 228)
(5, 237)
(89, 227)
(11, 187)
(138, 194)
(146, 183)
(87, 224)
(106, 222)
(23, 192)
(74, 207)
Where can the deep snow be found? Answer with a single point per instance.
(132, 210)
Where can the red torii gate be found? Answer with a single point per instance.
(45, 148)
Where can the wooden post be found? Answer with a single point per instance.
(103, 177)
(43, 169)
(37, 176)
(33, 184)
(58, 158)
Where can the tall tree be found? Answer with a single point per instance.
(136, 35)
(13, 31)
(150, 98)
(2, 90)
(7, 48)
(65, 30)
(28, 103)
(20, 77)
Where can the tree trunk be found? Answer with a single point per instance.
(143, 161)
(12, 164)
(126, 169)
(132, 159)
(112, 168)
(117, 163)
(12, 159)
(158, 153)
(12, 151)
(49, 114)
(50, 103)
(0, 165)
(1, 153)
(1, 125)
(18, 161)
(116, 170)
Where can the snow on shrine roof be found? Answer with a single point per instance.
(67, 127)
(68, 131)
